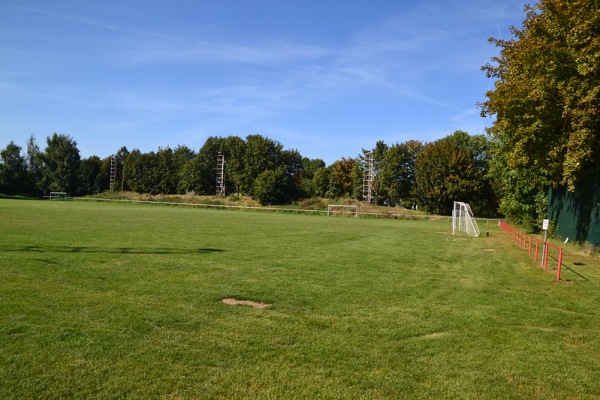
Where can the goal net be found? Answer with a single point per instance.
(58, 196)
(463, 219)
(342, 210)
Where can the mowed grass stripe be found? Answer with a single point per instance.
(112, 300)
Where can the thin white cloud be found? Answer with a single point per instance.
(391, 68)
(147, 47)
(77, 19)
(160, 49)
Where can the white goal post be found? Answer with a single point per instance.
(341, 210)
(463, 219)
(58, 196)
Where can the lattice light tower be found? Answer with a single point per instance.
(220, 174)
(368, 177)
(113, 172)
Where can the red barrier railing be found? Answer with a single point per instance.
(525, 241)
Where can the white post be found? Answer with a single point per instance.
(545, 225)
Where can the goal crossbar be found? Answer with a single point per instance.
(463, 219)
(58, 196)
(342, 210)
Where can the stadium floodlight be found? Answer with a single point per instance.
(463, 219)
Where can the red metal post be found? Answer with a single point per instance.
(559, 264)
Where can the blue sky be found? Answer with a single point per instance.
(326, 77)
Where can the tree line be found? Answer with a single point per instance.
(546, 104)
(430, 175)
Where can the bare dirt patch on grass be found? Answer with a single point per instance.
(250, 303)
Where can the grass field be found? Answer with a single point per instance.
(112, 301)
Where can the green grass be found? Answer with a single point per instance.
(103, 300)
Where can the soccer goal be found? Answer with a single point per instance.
(58, 196)
(463, 219)
(339, 210)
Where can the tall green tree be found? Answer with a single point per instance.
(234, 151)
(395, 177)
(32, 164)
(342, 178)
(451, 169)
(167, 181)
(181, 156)
(201, 171)
(13, 170)
(142, 172)
(120, 157)
(104, 175)
(272, 186)
(59, 165)
(90, 175)
(320, 182)
(261, 154)
(545, 100)
(306, 183)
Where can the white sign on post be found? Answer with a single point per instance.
(545, 224)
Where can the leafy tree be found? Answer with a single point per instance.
(234, 151)
(545, 101)
(379, 163)
(189, 176)
(132, 170)
(104, 175)
(261, 154)
(201, 170)
(305, 180)
(449, 170)
(395, 177)
(199, 173)
(181, 156)
(90, 175)
(32, 164)
(273, 186)
(59, 165)
(171, 169)
(294, 174)
(342, 178)
(320, 182)
(142, 173)
(167, 181)
(310, 166)
(13, 170)
(357, 180)
(120, 157)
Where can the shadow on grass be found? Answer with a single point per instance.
(106, 250)
(573, 271)
(565, 266)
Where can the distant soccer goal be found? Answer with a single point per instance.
(340, 210)
(61, 196)
(463, 220)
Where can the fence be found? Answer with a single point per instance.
(525, 241)
(576, 214)
(361, 214)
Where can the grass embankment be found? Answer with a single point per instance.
(312, 204)
(104, 300)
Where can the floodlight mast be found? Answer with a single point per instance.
(113, 172)
(368, 177)
(220, 174)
